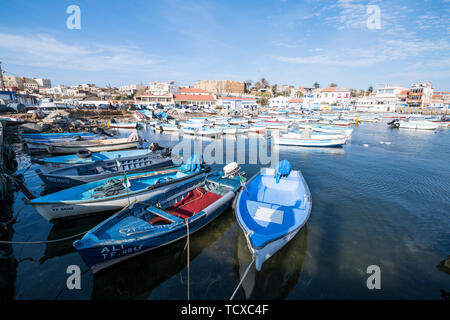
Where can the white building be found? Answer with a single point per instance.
(236, 103)
(420, 95)
(279, 102)
(157, 87)
(296, 103)
(334, 96)
(385, 99)
(43, 83)
(131, 88)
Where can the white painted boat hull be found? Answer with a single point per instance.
(263, 254)
(309, 142)
(418, 125)
(64, 210)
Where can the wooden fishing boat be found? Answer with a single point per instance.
(113, 194)
(271, 208)
(124, 125)
(40, 144)
(420, 124)
(311, 135)
(158, 221)
(52, 163)
(84, 173)
(92, 145)
(62, 135)
(330, 130)
(202, 131)
(309, 142)
(169, 127)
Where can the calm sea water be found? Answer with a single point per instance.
(385, 205)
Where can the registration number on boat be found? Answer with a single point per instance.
(115, 251)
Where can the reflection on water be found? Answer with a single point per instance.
(137, 277)
(278, 275)
(8, 263)
(63, 229)
(385, 204)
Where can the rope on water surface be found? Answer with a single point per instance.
(242, 279)
(43, 242)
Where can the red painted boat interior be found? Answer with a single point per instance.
(193, 203)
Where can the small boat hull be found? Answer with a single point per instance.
(52, 163)
(93, 146)
(309, 142)
(78, 201)
(85, 173)
(127, 234)
(271, 209)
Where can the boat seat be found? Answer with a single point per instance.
(100, 169)
(161, 213)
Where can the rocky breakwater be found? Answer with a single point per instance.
(8, 165)
(68, 120)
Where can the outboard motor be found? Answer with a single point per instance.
(231, 170)
(283, 169)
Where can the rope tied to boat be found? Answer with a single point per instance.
(43, 242)
(188, 258)
(242, 278)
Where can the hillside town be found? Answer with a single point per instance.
(224, 94)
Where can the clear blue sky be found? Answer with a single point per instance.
(285, 41)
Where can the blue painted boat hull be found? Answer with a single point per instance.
(99, 254)
(271, 213)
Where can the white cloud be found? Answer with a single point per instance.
(46, 51)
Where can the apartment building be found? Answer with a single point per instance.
(420, 95)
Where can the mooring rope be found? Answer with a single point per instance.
(43, 242)
(188, 264)
(242, 279)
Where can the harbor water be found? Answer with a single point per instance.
(382, 199)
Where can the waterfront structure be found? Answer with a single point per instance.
(440, 100)
(194, 96)
(131, 89)
(420, 95)
(157, 87)
(43, 83)
(237, 103)
(221, 86)
(155, 100)
(13, 83)
(385, 99)
(279, 102)
(30, 84)
(334, 96)
(295, 103)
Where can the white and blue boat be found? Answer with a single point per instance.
(272, 208)
(84, 173)
(62, 135)
(112, 194)
(309, 142)
(51, 163)
(159, 220)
